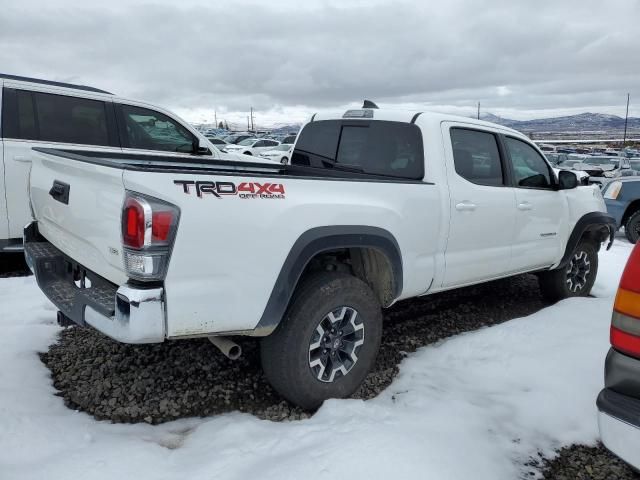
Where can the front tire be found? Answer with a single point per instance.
(284, 160)
(327, 342)
(575, 279)
(632, 227)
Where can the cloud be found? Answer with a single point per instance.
(288, 58)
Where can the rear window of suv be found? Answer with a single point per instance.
(377, 147)
(48, 117)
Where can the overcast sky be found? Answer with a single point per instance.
(288, 59)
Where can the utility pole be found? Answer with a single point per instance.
(478, 110)
(252, 126)
(215, 119)
(626, 119)
(248, 127)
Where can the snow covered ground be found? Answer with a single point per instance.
(474, 406)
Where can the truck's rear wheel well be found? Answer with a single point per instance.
(631, 209)
(368, 264)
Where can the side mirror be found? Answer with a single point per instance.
(200, 147)
(567, 180)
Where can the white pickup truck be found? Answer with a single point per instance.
(376, 206)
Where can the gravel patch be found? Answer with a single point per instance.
(160, 383)
(579, 462)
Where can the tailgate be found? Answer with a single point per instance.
(78, 207)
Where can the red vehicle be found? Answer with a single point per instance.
(619, 402)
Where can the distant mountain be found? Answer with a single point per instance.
(286, 129)
(572, 123)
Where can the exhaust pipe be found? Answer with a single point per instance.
(229, 348)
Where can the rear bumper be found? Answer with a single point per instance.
(619, 407)
(619, 424)
(127, 313)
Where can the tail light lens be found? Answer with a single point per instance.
(625, 323)
(149, 226)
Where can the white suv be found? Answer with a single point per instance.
(252, 146)
(41, 113)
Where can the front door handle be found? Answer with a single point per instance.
(524, 206)
(466, 206)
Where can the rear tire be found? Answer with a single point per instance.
(248, 153)
(327, 342)
(284, 160)
(632, 227)
(575, 279)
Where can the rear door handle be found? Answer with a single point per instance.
(524, 206)
(466, 206)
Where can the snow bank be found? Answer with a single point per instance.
(474, 406)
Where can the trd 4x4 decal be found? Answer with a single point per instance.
(243, 190)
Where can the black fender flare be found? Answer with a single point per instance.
(600, 224)
(318, 240)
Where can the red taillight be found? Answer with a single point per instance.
(133, 224)
(141, 215)
(625, 342)
(161, 226)
(625, 323)
(149, 226)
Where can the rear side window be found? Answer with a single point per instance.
(26, 116)
(150, 130)
(53, 118)
(71, 119)
(476, 156)
(392, 149)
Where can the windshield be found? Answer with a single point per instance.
(247, 142)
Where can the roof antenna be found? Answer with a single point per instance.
(369, 104)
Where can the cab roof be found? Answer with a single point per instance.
(408, 116)
(40, 81)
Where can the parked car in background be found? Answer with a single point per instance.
(234, 139)
(280, 153)
(622, 197)
(556, 159)
(619, 401)
(218, 142)
(252, 146)
(289, 139)
(42, 113)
